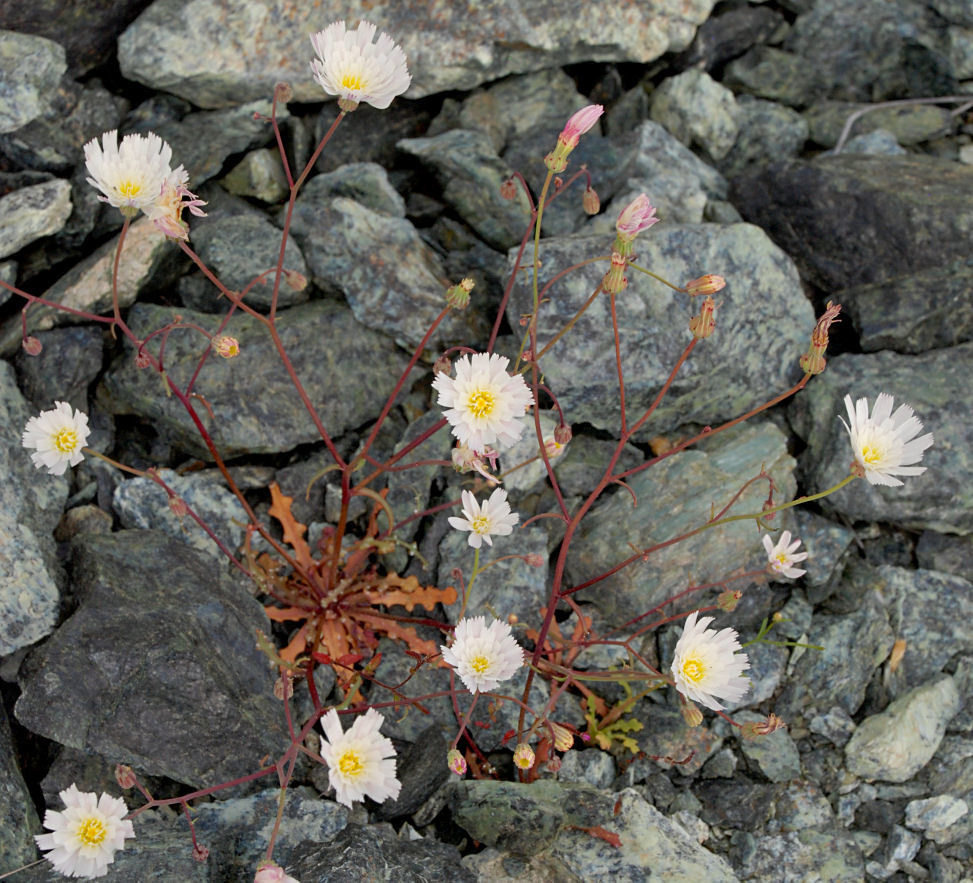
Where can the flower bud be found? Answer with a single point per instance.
(756, 729)
(523, 756)
(125, 776)
(553, 763)
(178, 507)
(704, 324)
(283, 92)
(637, 216)
(226, 346)
(32, 346)
(579, 123)
(728, 600)
(691, 714)
(458, 297)
(590, 201)
(552, 448)
(563, 738)
(535, 559)
(456, 762)
(142, 359)
(296, 281)
(562, 433)
(813, 361)
(508, 189)
(200, 853)
(283, 688)
(708, 284)
(442, 365)
(615, 279)
(271, 872)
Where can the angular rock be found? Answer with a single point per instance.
(167, 646)
(32, 212)
(18, 819)
(697, 111)
(258, 175)
(754, 338)
(30, 505)
(774, 755)
(895, 744)
(916, 312)
(367, 183)
(768, 131)
(833, 855)
(392, 280)
(853, 220)
(878, 142)
(910, 124)
(773, 74)
(674, 498)
(148, 260)
(941, 498)
(324, 344)
(730, 33)
(264, 45)
(30, 70)
(936, 816)
(70, 359)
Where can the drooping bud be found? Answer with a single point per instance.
(32, 346)
(442, 365)
(535, 559)
(563, 738)
(562, 433)
(615, 279)
(523, 756)
(590, 201)
(283, 688)
(813, 361)
(552, 448)
(579, 123)
(283, 92)
(708, 284)
(691, 714)
(458, 297)
(296, 281)
(142, 359)
(226, 346)
(508, 189)
(178, 507)
(456, 762)
(200, 853)
(704, 324)
(756, 729)
(125, 776)
(553, 763)
(728, 600)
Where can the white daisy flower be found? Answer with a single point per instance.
(885, 444)
(483, 655)
(706, 665)
(131, 175)
(86, 834)
(483, 401)
(492, 518)
(355, 69)
(361, 762)
(57, 437)
(784, 555)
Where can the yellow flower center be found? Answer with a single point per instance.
(65, 440)
(130, 189)
(694, 669)
(782, 559)
(352, 82)
(480, 525)
(482, 403)
(350, 764)
(92, 832)
(871, 455)
(479, 664)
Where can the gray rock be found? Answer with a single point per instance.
(32, 212)
(265, 46)
(729, 33)
(675, 498)
(955, 11)
(470, 173)
(323, 342)
(802, 805)
(844, 218)
(141, 503)
(392, 280)
(798, 856)
(774, 755)
(258, 175)
(915, 312)
(768, 131)
(697, 111)
(18, 819)
(595, 768)
(8, 274)
(761, 338)
(878, 142)
(773, 74)
(740, 805)
(949, 554)
(960, 51)
(367, 183)
(825, 542)
(936, 816)
(666, 741)
(148, 260)
(30, 70)
(908, 125)
(870, 50)
(422, 770)
(835, 725)
(898, 742)
(161, 656)
(374, 852)
(931, 383)
(30, 506)
(239, 248)
(69, 361)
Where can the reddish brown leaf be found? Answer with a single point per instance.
(293, 530)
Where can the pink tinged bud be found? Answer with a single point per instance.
(32, 346)
(728, 600)
(590, 201)
(125, 776)
(552, 448)
(553, 763)
(704, 324)
(579, 123)
(562, 434)
(283, 92)
(283, 688)
(563, 738)
(296, 281)
(178, 507)
(813, 361)
(637, 216)
(691, 714)
(271, 872)
(523, 756)
(535, 559)
(142, 359)
(226, 346)
(456, 762)
(442, 365)
(508, 189)
(458, 297)
(756, 729)
(615, 280)
(200, 853)
(708, 284)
